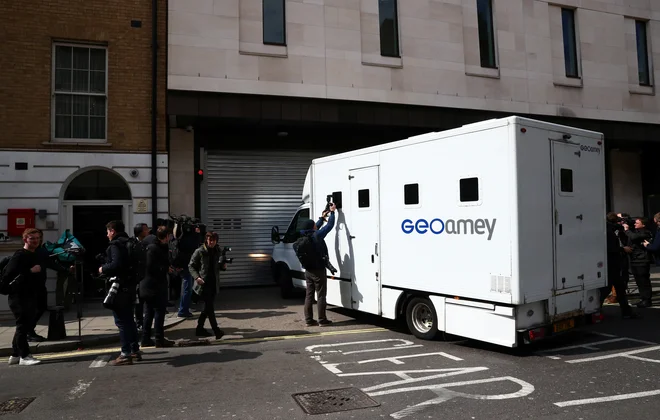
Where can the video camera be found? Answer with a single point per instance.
(626, 221)
(184, 224)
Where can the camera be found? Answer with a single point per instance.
(223, 256)
(626, 221)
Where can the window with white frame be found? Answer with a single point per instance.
(80, 86)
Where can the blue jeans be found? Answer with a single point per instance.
(186, 291)
(128, 334)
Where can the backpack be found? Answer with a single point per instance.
(137, 257)
(4, 282)
(306, 252)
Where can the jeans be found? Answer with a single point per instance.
(317, 281)
(642, 274)
(128, 334)
(154, 312)
(186, 291)
(24, 310)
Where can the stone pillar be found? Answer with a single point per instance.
(182, 172)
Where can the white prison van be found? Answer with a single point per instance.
(494, 231)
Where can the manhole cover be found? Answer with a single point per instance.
(333, 400)
(15, 405)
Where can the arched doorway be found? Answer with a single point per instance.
(90, 199)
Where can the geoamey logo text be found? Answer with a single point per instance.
(450, 227)
(590, 149)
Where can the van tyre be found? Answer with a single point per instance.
(422, 319)
(286, 283)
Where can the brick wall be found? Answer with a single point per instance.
(28, 29)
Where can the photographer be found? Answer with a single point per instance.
(205, 266)
(185, 241)
(22, 278)
(616, 254)
(640, 263)
(153, 288)
(117, 265)
(312, 253)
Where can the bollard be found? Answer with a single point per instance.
(56, 328)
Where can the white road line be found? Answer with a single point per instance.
(591, 346)
(611, 356)
(610, 398)
(100, 361)
(603, 334)
(383, 349)
(396, 360)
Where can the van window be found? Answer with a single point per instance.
(411, 194)
(469, 189)
(293, 232)
(363, 199)
(566, 180)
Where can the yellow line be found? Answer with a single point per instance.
(81, 353)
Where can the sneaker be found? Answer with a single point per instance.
(218, 334)
(148, 343)
(325, 323)
(164, 343)
(121, 361)
(29, 361)
(14, 360)
(35, 338)
(137, 356)
(187, 315)
(312, 323)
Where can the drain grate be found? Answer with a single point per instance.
(15, 405)
(333, 400)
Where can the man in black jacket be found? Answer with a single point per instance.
(23, 269)
(45, 261)
(117, 265)
(640, 261)
(153, 288)
(616, 254)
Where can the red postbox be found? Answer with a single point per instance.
(18, 220)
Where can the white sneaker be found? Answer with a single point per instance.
(29, 361)
(13, 360)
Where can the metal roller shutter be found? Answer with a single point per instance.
(247, 193)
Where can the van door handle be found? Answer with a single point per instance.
(372, 258)
(560, 229)
(579, 216)
(376, 249)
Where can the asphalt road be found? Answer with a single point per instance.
(405, 378)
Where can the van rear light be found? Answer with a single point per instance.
(597, 318)
(536, 334)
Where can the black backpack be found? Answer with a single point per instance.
(306, 252)
(137, 257)
(4, 282)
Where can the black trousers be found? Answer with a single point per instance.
(154, 312)
(24, 310)
(642, 275)
(41, 305)
(617, 276)
(208, 312)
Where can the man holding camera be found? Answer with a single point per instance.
(117, 265)
(312, 252)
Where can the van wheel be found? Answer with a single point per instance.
(286, 283)
(421, 318)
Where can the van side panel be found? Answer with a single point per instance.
(469, 255)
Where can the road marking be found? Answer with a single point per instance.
(100, 361)
(404, 344)
(610, 398)
(627, 354)
(80, 389)
(396, 360)
(90, 352)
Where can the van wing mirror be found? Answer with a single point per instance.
(275, 235)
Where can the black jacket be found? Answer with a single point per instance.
(20, 264)
(615, 235)
(157, 264)
(117, 262)
(45, 261)
(640, 255)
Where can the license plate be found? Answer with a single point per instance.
(563, 325)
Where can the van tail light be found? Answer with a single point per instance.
(597, 318)
(536, 334)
